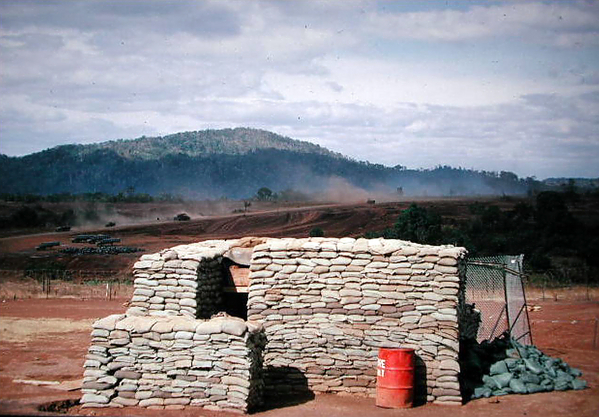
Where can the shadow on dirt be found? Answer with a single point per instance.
(285, 387)
(60, 407)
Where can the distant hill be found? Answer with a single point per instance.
(238, 141)
(230, 163)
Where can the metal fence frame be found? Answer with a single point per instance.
(495, 285)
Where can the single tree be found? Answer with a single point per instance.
(264, 194)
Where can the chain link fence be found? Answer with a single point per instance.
(494, 285)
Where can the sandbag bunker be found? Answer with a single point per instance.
(222, 323)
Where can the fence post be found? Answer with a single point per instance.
(543, 286)
(109, 290)
(586, 274)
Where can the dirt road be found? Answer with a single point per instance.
(336, 220)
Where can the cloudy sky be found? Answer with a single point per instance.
(486, 85)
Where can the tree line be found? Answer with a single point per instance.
(544, 229)
(127, 196)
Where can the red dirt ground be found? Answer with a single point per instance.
(47, 348)
(47, 339)
(337, 220)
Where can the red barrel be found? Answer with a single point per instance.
(395, 378)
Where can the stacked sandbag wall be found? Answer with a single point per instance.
(328, 305)
(185, 280)
(173, 362)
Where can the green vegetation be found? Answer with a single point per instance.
(288, 195)
(97, 197)
(239, 141)
(316, 232)
(32, 214)
(264, 194)
(544, 230)
(232, 162)
(37, 216)
(416, 224)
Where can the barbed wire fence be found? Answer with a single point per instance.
(51, 283)
(495, 285)
(575, 283)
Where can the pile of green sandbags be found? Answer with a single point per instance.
(101, 250)
(512, 368)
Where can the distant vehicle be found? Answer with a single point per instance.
(62, 229)
(182, 217)
(46, 245)
(369, 201)
(110, 224)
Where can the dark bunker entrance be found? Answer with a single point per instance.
(236, 280)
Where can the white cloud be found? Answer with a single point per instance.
(563, 24)
(382, 85)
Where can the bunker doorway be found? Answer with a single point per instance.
(236, 265)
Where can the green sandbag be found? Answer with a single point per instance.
(480, 392)
(532, 366)
(518, 386)
(502, 380)
(547, 382)
(561, 375)
(532, 388)
(530, 378)
(521, 367)
(522, 351)
(490, 382)
(498, 368)
(575, 372)
(512, 353)
(511, 363)
(533, 351)
(578, 384)
(548, 387)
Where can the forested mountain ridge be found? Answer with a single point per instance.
(238, 141)
(230, 163)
